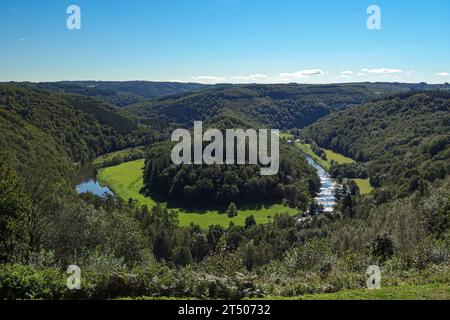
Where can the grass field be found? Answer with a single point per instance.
(126, 181)
(286, 135)
(405, 292)
(339, 158)
(364, 185)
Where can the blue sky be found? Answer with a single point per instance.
(239, 41)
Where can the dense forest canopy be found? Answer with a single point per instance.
(85, 127)
(275, 106)
(119, 93)
(204, 186)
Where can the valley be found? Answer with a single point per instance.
(375, 156)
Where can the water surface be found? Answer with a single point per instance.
(328, 186)
(87, 182)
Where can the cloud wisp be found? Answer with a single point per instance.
(285, 77)
(315, 76)
(381, 71)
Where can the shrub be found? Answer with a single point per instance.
(25, 282)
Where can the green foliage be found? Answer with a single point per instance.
(84, 127)
(250, 221)
(231, 211)
(80, 229)
(25, 282)
(217, 185)
(383, 246)
(318, 151)
(13, 204)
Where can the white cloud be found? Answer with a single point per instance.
(302, 75)
(252, 77)
(362, 74)
(443, 74)
(209, 79)
(173, 80)
(299, 75)
(346, 72)
(381, 71)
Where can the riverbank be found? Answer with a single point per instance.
(363, 184)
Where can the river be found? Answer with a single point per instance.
(87, 182)
(328, 186)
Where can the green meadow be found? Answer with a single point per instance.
(126, 181)
(339, 158)
(364, 185)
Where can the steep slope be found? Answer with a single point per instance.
(84, 127)
(27, 147)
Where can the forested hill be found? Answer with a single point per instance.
(282, 106)
(83, 127)
(120, 93)
(405, 139)
(276, 106)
